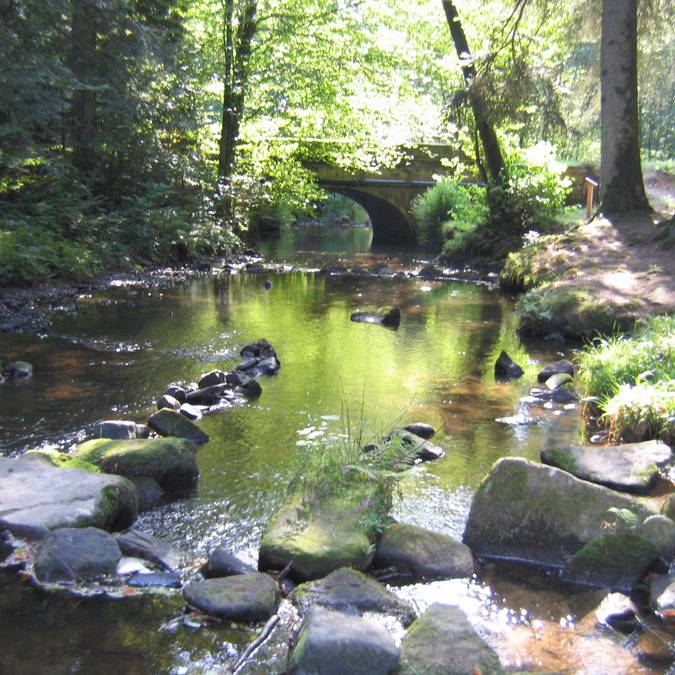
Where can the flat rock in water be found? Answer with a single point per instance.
(192, 412)
(221, 563)
(171, 423)
(333, 643)
(617, 611)
(415, 552)
(617, 560)
(425, 431)
(539, 513)
(319, 538)
(632, 467)
(155, 580)
(148, 491)
(167, 401)
(662, 595)
(211, 378)
(36, 497)
(506, 368)
(347, 590)
(562, 366)
(442, 641)
(244, 597)
(77, 554)
(157, 551)
(116, 429)
(424, 450)
(170, 461)
(207, 395)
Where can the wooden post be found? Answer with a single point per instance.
(591, 185)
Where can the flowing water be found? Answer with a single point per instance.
(119, 349)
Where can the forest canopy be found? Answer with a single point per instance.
(171, 125)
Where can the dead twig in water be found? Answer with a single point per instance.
(269, 627)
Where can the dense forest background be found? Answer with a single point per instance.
(140, 131)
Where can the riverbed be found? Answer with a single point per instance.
(115, 353)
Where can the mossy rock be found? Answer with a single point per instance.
(615, 559)
(347, 590)
(170, 461)
(534, 512)
(443, 642)
(64, 460)
(319, 537)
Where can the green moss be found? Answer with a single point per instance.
(562, 459)
(64, 460)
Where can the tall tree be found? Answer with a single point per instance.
(484, 127)
(620, 169)
(83, 35)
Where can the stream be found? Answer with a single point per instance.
(116, 352)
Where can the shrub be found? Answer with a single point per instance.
(448, 209)
(633, 378)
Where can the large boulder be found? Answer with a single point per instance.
(506, 368)
(170, 461)
(243, 597)
(537, 513)
(632, 467)
(319, 537)
(418, 553)
(617, 560)
(77, 554)
(333, 643)
(36, 496)
(443, 642)
(167, 422)
(346, 590)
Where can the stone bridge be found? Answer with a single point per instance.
(386, 194)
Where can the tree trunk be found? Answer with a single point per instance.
(622, 187)
(84, 100)
(226, 150)
(486, 132)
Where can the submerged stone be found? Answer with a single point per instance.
(77, 554)
(170, 461)
(418, 553)
(537, 513)
(615, 559)
(391, 318)
(347, 590)
(171, 423)
(333, 643)
(443, 642)
(244, 597)
(632, 467)
(36, 497)
(155, 579)
(319, 537)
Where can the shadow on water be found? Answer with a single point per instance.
(120, 350)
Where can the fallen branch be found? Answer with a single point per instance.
(269, 627)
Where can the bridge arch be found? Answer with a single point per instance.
(390, 222)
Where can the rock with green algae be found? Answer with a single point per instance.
(334, 643)
(415, 552)
(632, 467)
(533, 512)
(36, 496)
(63, 460)
(319, 537)
(170, 461)
(347, 590)
(168, 422)
(443, 642)
(244, 597)
(617, 560)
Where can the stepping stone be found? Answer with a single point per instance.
(244, 597)
(632, 467)
(333, 643)
(171, 423)
(347, 590)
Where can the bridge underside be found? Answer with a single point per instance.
(387, 206)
